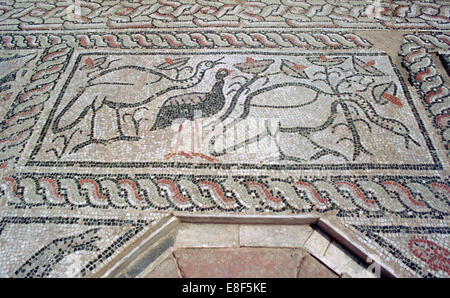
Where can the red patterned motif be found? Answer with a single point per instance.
(407, 192)
(437, 257)
(265, 190)
(97, 190)
(218, 189)
(174, 189)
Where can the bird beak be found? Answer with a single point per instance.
(218, 61)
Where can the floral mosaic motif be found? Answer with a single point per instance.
(332, 79)
(437, 257)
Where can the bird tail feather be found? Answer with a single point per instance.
(163, 120)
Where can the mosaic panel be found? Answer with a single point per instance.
(360, 96)
(292, 108)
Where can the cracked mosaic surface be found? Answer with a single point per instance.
(293, 108)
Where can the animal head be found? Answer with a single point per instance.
(222, 73)
(205, 65)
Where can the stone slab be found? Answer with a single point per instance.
(207, 235)
(166, 269)
(274, 235)
(347, 263)
(318, 242)
(238, 263)
(310, 267)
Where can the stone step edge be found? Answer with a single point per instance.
(356, 248)
(137, 248)
(325, 225)
(163, 229)
(247, 219)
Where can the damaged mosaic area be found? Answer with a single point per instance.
(116, 113)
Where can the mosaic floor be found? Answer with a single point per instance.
(116, 113)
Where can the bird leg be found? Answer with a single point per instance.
(177, 144)
(135, 121)
(180, 128)
(193, 153)
(121, 136)
(91, 134)
(198, 141)
(197, 134)
(119, 128)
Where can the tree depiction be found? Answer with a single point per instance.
(342, 85)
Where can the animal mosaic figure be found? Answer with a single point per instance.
(111, 87)
(187, 106)
(42, 263)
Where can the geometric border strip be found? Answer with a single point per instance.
(18, 124)
(188, 40)
(101, 15)
(423, 74)
(407, 197)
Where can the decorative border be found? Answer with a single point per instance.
(416, 58)
(358, 14)
(408, 197)
(418, 259)
(17, 126)
(189, 40)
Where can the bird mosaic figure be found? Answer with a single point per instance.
(117, 88)
(192, 106)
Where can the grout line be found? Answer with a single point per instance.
(326, 262)
(239, 235)
(328, 246)
(299, 267)
(307, 239)
(179, 270)
(155, 263)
